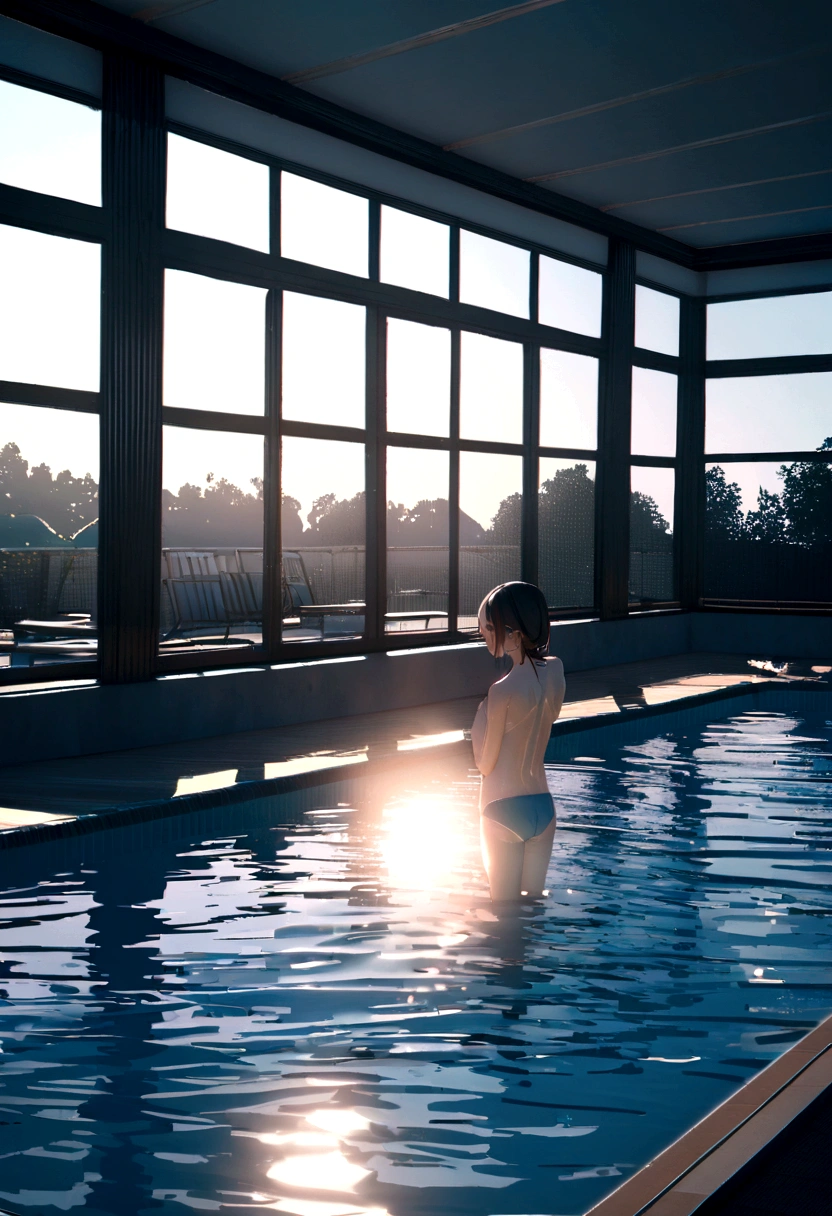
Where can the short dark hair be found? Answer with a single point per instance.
(519, 607)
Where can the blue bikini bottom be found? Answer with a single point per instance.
(526, 815)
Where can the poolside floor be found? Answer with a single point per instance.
(48, 791)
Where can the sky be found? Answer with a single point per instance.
(215, 343)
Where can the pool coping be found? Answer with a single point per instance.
(696, 1165)
(67, 826)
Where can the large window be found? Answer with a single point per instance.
(768, 444)
(372, 412)
(50, 290)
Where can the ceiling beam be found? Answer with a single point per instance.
(600, 107)
(712, 142)
(169, 8)
(815, 247)
(429, 38)
(738, 219)
(759, 181)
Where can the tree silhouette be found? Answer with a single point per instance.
(769, 521)
(807, 500)
(781, 551)
(723, 505)
(64, 502)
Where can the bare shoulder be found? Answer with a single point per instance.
(500, 689)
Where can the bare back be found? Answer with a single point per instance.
(513, 726)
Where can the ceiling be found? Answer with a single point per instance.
(707, 120)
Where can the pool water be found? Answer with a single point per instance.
(317, 1011)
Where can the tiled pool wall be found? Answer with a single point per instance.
(153, 825)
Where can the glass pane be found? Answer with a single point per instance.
(570, 297)
(214, 193)
(653, 423)
(49, 145)
(48, 535)
(493, 274)
(324, 226)
(657, 321)
(768, 413)
(323, 539)
(779, 325)
(768, 533)
(212, 539)
(414, 252)
(418, 378)
(490, 505)
(215, 344)
(566, 532)
(417, 540)
(651, 535)
(324, 360)
(50, 299)
(568, 400)
(491, 389)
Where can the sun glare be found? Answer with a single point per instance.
(422, 843)
(338, 1122)
(318, 1172)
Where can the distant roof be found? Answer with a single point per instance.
(87, 537)
(29, 532)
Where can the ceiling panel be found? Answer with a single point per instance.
(685, 111)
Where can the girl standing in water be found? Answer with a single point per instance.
(509, 737)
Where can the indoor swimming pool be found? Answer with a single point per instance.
(307, 1004)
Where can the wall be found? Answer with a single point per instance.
(762, 634)
(82, 718)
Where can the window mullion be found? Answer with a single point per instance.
(376, 474)
(272, 486)
(531, 432)
(131, 370)
(453, 485)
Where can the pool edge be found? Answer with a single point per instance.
(63, 828)
(696, 1165)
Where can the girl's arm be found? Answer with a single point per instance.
(489, 728)
(559, 683)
